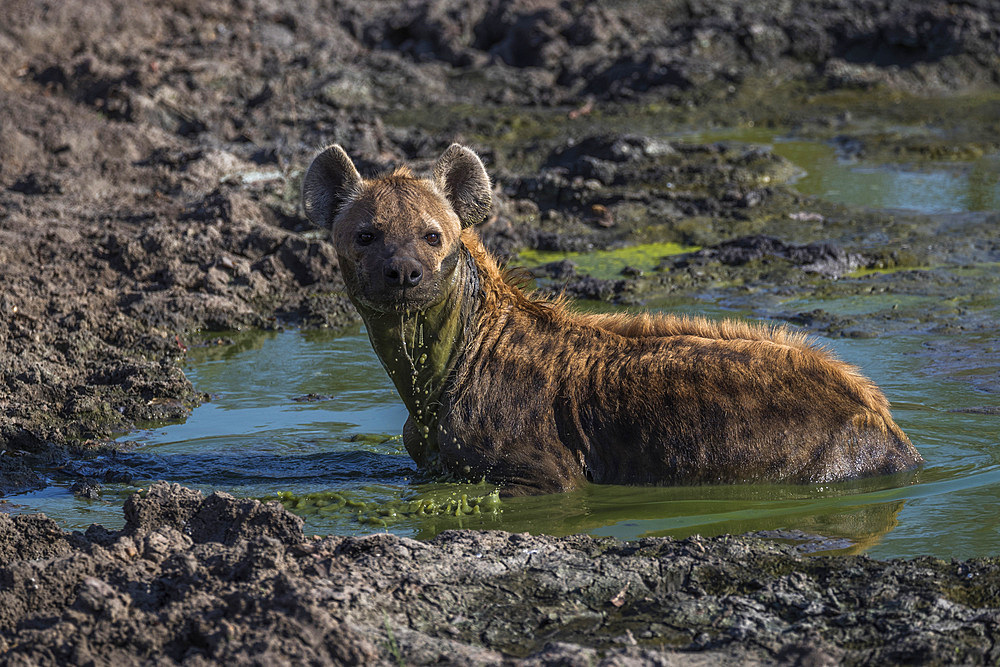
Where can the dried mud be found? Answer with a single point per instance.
(149, 168)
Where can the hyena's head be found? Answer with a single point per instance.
(397, 236)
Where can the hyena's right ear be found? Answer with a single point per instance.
(329, 181)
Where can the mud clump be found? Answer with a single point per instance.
(821, 258)
(218, 579)
(188, 578)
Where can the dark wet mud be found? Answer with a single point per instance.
(207, 580)
(150, 160)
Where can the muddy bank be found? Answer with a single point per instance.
(207, 580)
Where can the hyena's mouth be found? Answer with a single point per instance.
(393, 299)
(398, 300)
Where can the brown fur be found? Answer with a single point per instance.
(528, 394)
(766, 339)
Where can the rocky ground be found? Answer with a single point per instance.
(149, 167)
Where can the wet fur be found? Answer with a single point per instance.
(742, 384)
(526, 393)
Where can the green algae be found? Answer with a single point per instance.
(383, 510)
(883, 271)
(378, 443)
(608, 264)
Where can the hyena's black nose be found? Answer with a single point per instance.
(403, 271)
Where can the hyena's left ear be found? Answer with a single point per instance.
(461, 176)
(329, 181)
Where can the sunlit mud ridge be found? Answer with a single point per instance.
(216, 579)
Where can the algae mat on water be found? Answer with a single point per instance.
(608, 264)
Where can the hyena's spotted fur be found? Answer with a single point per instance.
(536, 398)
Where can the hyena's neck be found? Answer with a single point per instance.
(420, 349)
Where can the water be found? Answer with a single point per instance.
(925, 186)
(311, 417)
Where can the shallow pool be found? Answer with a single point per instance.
(310, 418)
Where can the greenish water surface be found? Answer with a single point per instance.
(310, 418)
(924, 186)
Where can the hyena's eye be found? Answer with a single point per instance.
(432, 238)
(364, 238)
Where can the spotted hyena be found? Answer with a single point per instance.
(521, 391)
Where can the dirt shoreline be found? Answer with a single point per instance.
(149, 169)
(212, 580)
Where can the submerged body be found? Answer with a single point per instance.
(538, 399)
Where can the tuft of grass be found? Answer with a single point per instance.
(391, 644)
